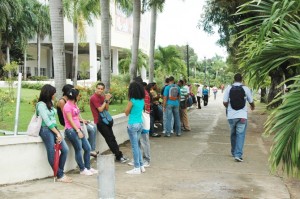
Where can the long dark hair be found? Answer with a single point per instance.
(46, 94)
(136, 91)
(66, 89)
(72, 94)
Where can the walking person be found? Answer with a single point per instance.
(49, 132)
(215, 91)
(205, 93)
(171, 107)
(134, 110)
(75, 134)
(235, 97)
(199, 95)
(98, 103)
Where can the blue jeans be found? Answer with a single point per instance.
(173, 111)
(238, 128)
(49, 140)
(92, 130)
(79, 144)
(145, 145)
(134, 132)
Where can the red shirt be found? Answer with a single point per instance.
(147, 101)
(95, 102)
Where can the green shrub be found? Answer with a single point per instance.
(36, 86)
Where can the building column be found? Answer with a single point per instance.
(49, 61)
(115, 61)
(93, 53)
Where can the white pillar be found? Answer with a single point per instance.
(93, 52)
(49, 60)
(144, 74)
(115, 61)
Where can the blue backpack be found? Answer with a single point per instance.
(106, 118)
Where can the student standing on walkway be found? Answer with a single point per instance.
(134, 109)
(235, 97)
(99, 102)
(199, 95)
(183, 106)
(49, 132)
(171, 107)
(205, 93)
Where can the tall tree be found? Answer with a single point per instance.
(43, 28)
(135, 38)
(155, 5)
(126, 7)
(58, 43)
(78, 12)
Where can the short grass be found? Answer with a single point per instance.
(7, 112)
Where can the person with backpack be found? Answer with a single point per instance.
(171, 107)
(235, 97)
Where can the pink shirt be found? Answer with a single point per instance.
(72, 108)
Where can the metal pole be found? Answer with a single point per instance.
(205, 69)
(188, 62)
(106, 177)
(18, 105)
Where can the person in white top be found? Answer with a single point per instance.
(199, 95)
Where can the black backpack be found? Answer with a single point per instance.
(237, 97)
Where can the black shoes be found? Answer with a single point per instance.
(155, 135)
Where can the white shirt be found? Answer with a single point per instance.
(242, 113)
(199, 91)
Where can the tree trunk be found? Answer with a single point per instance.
(75, 53)
(276, 79)
(152, 42)
(57, 30)
(263, 95)
(39, 54)
(135, 38)
(105, 43)
(8, 59)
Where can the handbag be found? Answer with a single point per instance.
(34, 125)
(105, 118)
(146, 122)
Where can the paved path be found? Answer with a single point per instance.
(196, 165)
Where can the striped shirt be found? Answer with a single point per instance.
(147, 101)
(183, 93)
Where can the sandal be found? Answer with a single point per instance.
(65, 179)
(94, 153)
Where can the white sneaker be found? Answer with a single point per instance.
(86, 172)
(94, 171)
(134, 171)
(143, 170)
(172, 131)
(146, 163)
(131, 163)
(164, 132)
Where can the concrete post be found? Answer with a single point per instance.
(106, 177)
(18, 104)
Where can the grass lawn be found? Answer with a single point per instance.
(7, 116)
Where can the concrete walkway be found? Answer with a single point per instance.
(196, 165)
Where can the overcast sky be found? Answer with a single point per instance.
(177, 25)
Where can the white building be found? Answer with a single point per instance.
(121, 38)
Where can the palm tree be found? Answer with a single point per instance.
(271, 47)
(141, 62)
(126, 6)
(8, 9)
(79, 11)
(168, 61)
(135, 37)
(58, 43)
(155, 5)
(43, 28)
